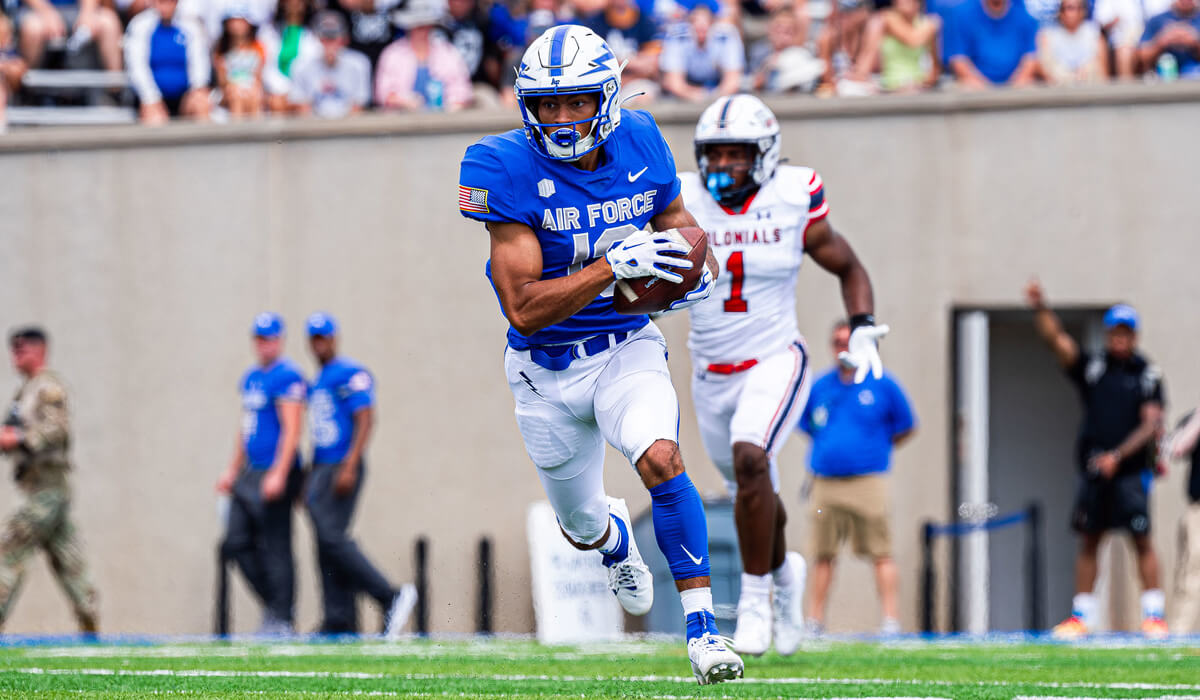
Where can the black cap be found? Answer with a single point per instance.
(27, 334)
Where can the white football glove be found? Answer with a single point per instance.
(698, 294)
(641, 255)
(863, 352)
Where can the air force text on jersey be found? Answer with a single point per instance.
(611, 211)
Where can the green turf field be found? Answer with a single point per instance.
(518, 668)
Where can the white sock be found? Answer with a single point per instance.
(696, 600)
(1083, 606)
(613, 540)
(756, 587)
(1153, 603)
(783, 575)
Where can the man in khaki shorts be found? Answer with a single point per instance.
(853, 428)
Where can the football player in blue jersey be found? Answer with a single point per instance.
(264, 476)
(567, 200)
(341, 412)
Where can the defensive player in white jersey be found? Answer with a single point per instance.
(567, 201)
(751, 367)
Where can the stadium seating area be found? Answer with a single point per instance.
(244, 59)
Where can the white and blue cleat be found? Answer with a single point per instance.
(712, 659)
(628, 577)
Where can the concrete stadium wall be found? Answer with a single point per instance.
(146, 253)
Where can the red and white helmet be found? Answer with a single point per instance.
(742, 119)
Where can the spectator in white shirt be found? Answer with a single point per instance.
(335, 83)
(1072, 50)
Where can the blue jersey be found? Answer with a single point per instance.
(262, 389)
(852, 425)
(576, 214)
(341, 389)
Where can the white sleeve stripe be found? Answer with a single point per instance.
(819, 211)
(815, 184)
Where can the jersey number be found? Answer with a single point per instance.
(585, 251)
(735, 304)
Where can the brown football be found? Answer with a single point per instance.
(646, 295)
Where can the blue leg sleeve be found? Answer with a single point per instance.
(680, 527)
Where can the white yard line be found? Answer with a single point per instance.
(1077, 697)
(354, 675)
(401, 649)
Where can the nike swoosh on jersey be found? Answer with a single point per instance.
(695, 560)
(634, 176)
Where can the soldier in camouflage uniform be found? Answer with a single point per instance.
(35, 436)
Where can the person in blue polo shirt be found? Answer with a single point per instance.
(853, 429)
(341, 416)
(991, 42)
(264, 476)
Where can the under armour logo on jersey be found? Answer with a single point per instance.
(865, 397)
(546, 187)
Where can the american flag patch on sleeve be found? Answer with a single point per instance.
(472, 199)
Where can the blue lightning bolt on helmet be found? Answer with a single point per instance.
(569, 60)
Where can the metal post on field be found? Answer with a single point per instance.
(421, 555)
(1033, 565)
(928, 579)
(221, 611)
(485, 586)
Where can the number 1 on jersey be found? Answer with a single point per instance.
(735, 304)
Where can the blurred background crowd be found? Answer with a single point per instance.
(243, 59)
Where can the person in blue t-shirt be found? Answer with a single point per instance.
(568, 200)
(1175, 32)
(341, 414)
(264, 476)
(167, 57)
(853, 429)
(991, 42)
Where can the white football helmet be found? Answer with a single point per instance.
(738, 119)
(569, 59)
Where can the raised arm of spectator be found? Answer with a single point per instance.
(1049, 328)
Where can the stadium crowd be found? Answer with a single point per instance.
(242, 59)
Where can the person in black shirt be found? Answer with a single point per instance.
(1187, 563)
(1122, 396)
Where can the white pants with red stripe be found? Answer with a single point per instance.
(622, 395)
(760, 406)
